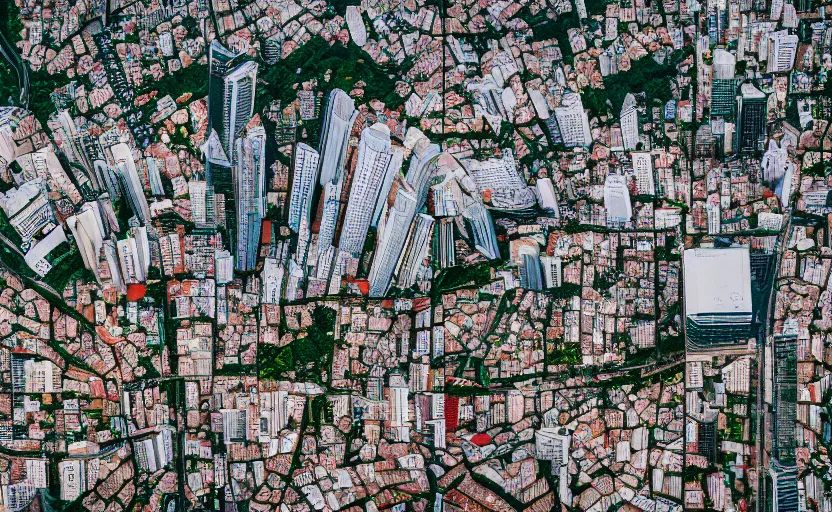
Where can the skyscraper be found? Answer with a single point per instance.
(724, 84)
(751, 109)
(643, 169)
(375, 157)
(629, 122)
(338, 120)
(131, 185)
(617, 200)
(416, 250)
(530, 277)
(304, 179)
(482, 227)
(392, 233)
(249, 195)
(230, 94)
(421, 167)
(782, 49)
(784, 398)
(573, 122)
(552, 271)
(781, 484)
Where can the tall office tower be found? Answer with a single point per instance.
(446, 244)
(751, 112)
(196, 191)
(250, 195)
(718, 299)
(130, 183)
(643, 169)
(272, 281)
(392, 233)
(339, 117)
(530, 277)
(399, 407)
(629, 122)
(546, 198)
(73, 477)
(415, 252)
(239, 104)
(375, 157)
(129, 255)
(573, 122)
(552, 271)
(482, 227)
(781, 488)
(329, 216)
(617, 200)
(724, 84)
(108, 177)
(782, 49)
(422, 165)
(714, 218)
(224, 92)
(88, 230)
(393, 169)
(784, 397)
(304, 179)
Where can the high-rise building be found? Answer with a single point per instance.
(530, 276)
(415, 252)
(552, 271)
(422, 165)
(724, 64)
(573, 122)
(196, 191)
(230, 94)
(782, 49)
(546, 198)
(718, 305)
(339, 117)
(369, 183)
(88, 230)
(73, 478)
(552, 444)
(643, 169)
(393, 229)
(131, 185)
(781, 487)
(724, 96)
(304, 179)
(329, 216)
(784, 399)
(617, 200)
(399, 407)
(629, 122)
(249, 195)
(482, 228)
(751, 113)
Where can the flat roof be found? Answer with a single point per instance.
(717, 280)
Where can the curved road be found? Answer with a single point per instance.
(9, 52)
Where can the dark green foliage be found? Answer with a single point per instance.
(349, 64)
(645, 75)
(567, 353)
(193, 79)
(309, 356)
(455, 277)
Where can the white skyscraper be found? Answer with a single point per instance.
(416, 250)
(573, 122)
(369, 183)
(643, 169)
(131, 184)
(421, 167)
(546, 198)
(482, 227)
(329, 216)
(552, 271)
(196, 191)
(617, 200)
(73, 479)
(249, 195)
(782, 49)
(339, 117)
(725, 64)
(238, 103)
(88, 230)
(303, 185)
(629, 122)
(399, 408)
(393, 229)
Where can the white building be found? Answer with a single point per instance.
(304, 178)
(370, 182)
(629, 122)
(617, 200)
(573, 121)
(552, 271)
(643, 169)
(393, 229)
(73, 477)
(782, 49)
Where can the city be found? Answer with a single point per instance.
(270, 255)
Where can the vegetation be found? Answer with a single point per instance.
(349, 65)
(309, 356)
(456, 277)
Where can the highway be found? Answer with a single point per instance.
(9, 52)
